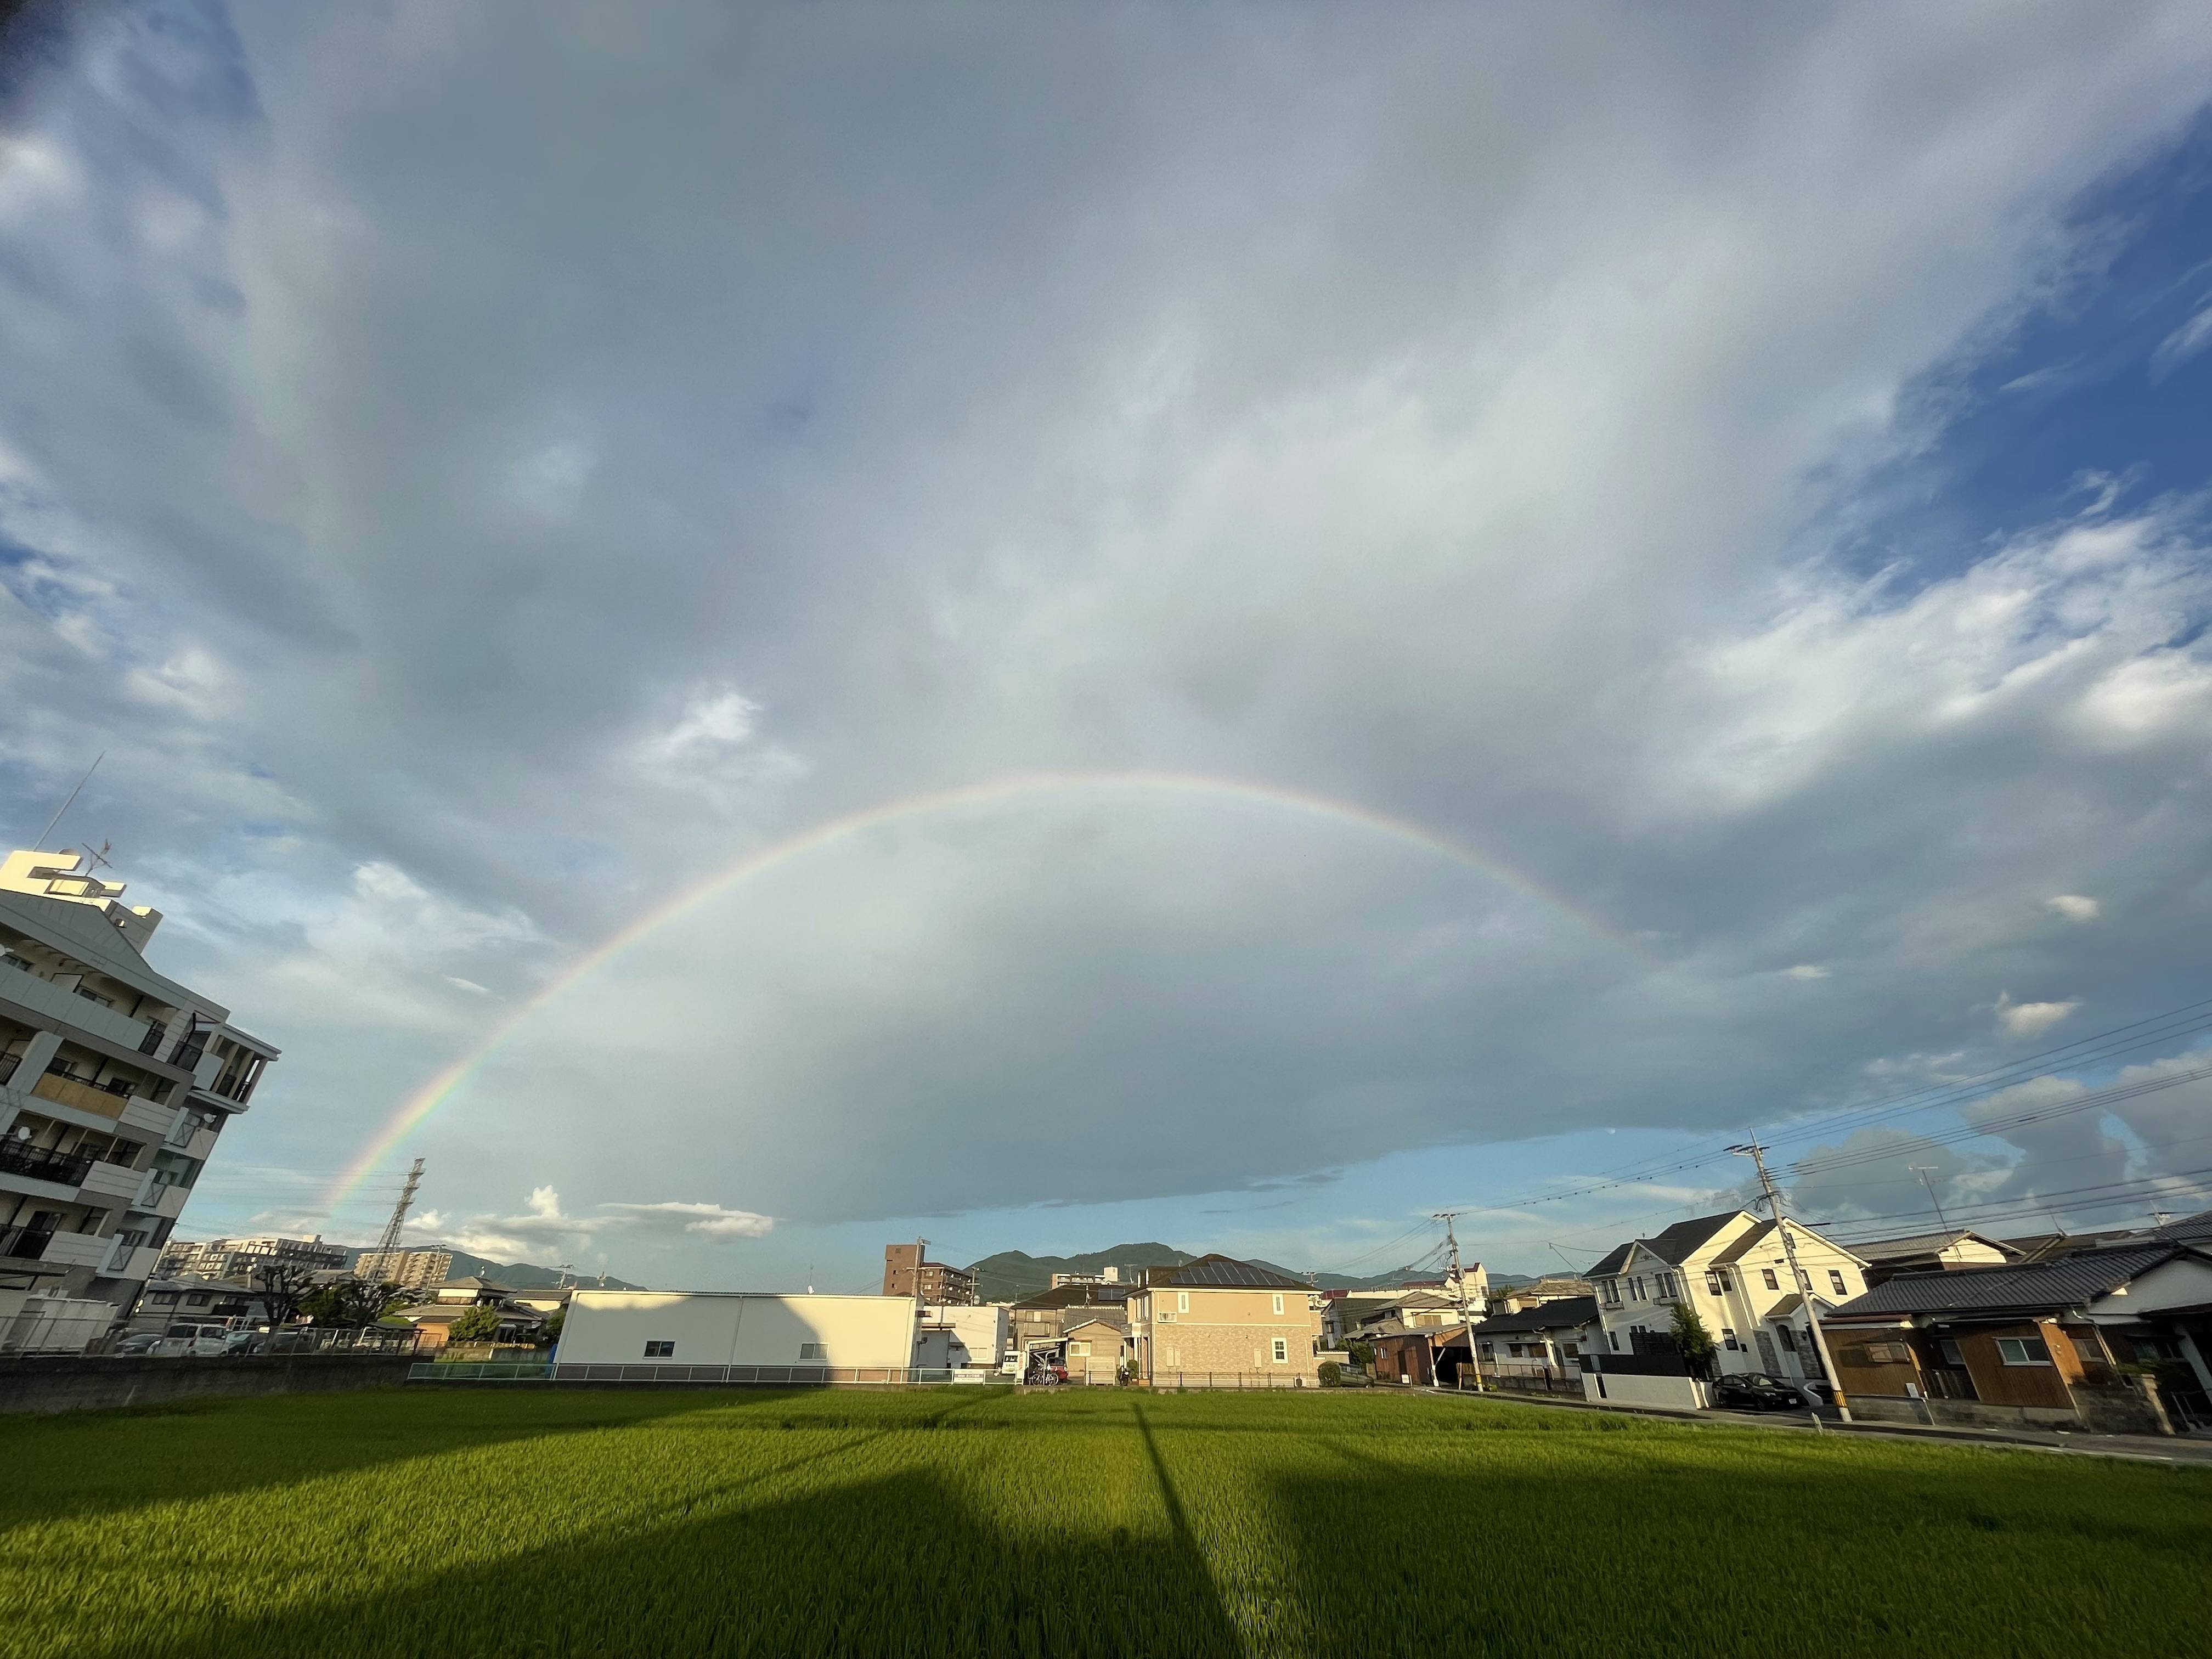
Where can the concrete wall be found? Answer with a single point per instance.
(76, 1382)
(736, 1327)
(1676, 1393)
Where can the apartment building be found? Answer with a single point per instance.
(237, 1258)
(115, 1083)
(1218, 1322)
(1731, 1268)
(936, 1282)
(410, 1270)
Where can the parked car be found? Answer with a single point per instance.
(136, 1342)
(265, 1342)
(1756, 1391)
(191, 1341)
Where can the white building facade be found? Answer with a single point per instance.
(790, 1337)
(115, 1083)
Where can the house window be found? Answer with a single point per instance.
(2023, 1351)
(1182, 1301)
(1836, 1282)
(1636, 1290)
(1079, 1350)
(660, 1351)
(1278, 1307)
(1953, 1354)
(1767, 1274)
(1282, 1349)
(1727, 1340)
(1609, 1290)
(819, 1352)
(1716, 1281)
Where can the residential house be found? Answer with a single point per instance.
(1960, 1247)
(1422, 1356)
(1542, 1344)
(2065, 1342)
(115, 1082)
(167, 1300)
(1218, 1322)
(1421, 1310)
(1730, 1269)
(1094, 1346)
(433, 1319)
(959, 1337)
(1041, 1321)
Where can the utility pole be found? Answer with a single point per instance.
(388, 1246)
(1466, 1314)
(1757, 1154)
(1924, 1171)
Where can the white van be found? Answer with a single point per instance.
(192, 1340)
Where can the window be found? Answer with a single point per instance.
(1767, 1274)
(2023, 1351)
(1282, 1348)
(818, 1351)
(1609, 1291)
(1666, 1287)
(660, 1351)
(1612, 1341)
(1278, 1307)
(1079, 1350)
(1636, 1290)
(1716, 1281)
(1727, 1340)
(1182, 1301)
(196, 1299)
(1952, 1354)
(1836, 1283)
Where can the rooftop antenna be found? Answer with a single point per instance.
(388, 1246)
(100, 858)
(1924, 1171)
(65, 806)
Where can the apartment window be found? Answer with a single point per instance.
(1278, 1307)
(1836, 1283)
(660, 1351)
(1182, 1301)
(2023, 1351)
(1953, 1354)
(1772, 1282)
(1716, 1281)
(815, 1351)
(1727, 1340)
(1282, 1349)
(196, 1299)
(1612, 1341)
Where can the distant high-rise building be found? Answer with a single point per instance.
(939, 1284)
(237, 1258)
(411, 1270)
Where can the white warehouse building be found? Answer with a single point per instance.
(861, 1338)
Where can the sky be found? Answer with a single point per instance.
(756, 632)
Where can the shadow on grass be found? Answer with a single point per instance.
(101, 1462)
(896, 1566)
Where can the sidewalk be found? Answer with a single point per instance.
(2142, 1448)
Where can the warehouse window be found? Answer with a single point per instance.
(2023, 1351)
(660, 1351)
(1282, 1348)
(813, 1350)
(1278, 1304)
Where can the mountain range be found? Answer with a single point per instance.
(515, 1275)
(1011, 1275)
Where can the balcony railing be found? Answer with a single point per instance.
(24, 1243)
(44, 1163)
(150, 1044)
(189, 1049)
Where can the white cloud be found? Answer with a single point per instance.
(1805, 970)
(2184, 343)
(2072, 906)
(2031, 1018)
(468, 985)
(708, 1220)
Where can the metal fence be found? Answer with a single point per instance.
(1257, 1382)
(694, 1376)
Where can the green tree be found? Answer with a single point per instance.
(551, 1333)
(1362, 1354)
(1693, 1339)
(477, 1325)
(284, 1288)
(348, 1302)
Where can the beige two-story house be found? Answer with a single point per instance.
(1218, 1322)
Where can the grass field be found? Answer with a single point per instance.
(958, 1522)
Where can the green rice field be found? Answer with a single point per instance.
(956, 1521)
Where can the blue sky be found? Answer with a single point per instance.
(478, 471)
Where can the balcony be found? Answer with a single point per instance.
(64, 1088)
(24, 1243)
(64, 1008)
(44, 1164)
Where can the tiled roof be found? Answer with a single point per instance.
(1744, 1246)
(2190, 1227)
(1225, 1271)
(1891, 1249)
(1674, 1245)
(1567, 1315)
(2048, 1285)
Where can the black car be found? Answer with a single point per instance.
(1756, 1391)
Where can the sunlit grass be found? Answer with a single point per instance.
(957, 1522)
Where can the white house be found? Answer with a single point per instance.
(954, 1337)
(817, 1336)
(1729, 1268)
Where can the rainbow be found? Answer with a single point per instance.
(426, 1099)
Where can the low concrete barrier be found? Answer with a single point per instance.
(1615, 1388)
(71, 1382)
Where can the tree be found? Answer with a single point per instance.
(477, 1325)
(1693, 1339)
(352, 1302)
(1362, 1354)
(551, 1333)
(283, 1287)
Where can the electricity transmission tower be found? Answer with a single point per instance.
(387, 1247)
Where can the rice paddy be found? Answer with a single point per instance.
(961, 1521)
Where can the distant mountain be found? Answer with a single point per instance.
(1011, 1275)
(515, 1275)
